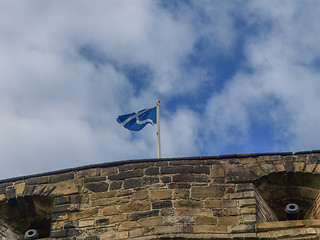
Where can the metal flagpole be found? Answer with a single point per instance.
(158, 124)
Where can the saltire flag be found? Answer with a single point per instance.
(137, 120)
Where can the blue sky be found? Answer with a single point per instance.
(232, 77)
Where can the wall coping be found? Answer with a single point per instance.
(124, 162)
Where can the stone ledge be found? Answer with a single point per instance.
(272, 226)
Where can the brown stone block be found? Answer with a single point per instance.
(118, 218)
(188, 204)
(136, 233)
(247, 202)
(299, 166)
(182, 193)
(242, 228)
(310, 167)
(228, 221)
(217, 171)
(280, 167)
(140, 195)
(127, 226)
(90, 213)
(109, 171)
(160, 195)
(110, 210)
(202, 220)
(203, 192)
(150, 222)
(167, 229)
(135, 206)
(98, 196)
(65, 188)
(213, 203)
(209, 229)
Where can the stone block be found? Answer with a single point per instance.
(203, 192)
(19, 188)
(210, 229)
(190, 178)
(61, 177)
(247, 202)
(202, 169)
(160, 194)
(97, 186)
(134, 207)
(182, 193)
(126, 175)
(86, 223)
(167, 229)
(115, 185)
(151, 222)
(203, 220)
(110, 210)
(213, 203)
(161, 204)
(228, 221)
(94, 179)
(127, 226)
(140, 215)
(138, 182)
(241, 175)
(217, 171)
(188, 204)
(243, 187)
(152, 171)
(176, 169)
(140, 195)
(136, 233)
(241, 228)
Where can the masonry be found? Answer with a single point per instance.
(220, 197)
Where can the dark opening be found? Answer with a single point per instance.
(31, 212)
(281, 189)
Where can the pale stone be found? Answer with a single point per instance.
(160, 195)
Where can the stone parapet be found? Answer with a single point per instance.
(221, 197)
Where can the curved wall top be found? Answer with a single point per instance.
(221, 197)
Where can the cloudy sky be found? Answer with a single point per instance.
(232, 77)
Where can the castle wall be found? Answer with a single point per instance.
(189, 198)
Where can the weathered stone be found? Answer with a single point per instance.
(160, 195)
(94, 179)
(135, 206)
(126, 175)
(206, 220)
(202, 169)
(176, 169)
(190, 178)
(61, 177)
(188, 204)
(140, 215)
(161, 204)
(203, 192)
(97, 186)
(138, 182)
(152, 171)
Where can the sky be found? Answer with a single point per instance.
(232, 76)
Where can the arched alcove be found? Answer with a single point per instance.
(281, 188)
(29, 212)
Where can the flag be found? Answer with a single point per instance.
(137, 120)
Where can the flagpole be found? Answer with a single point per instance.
(158, 124)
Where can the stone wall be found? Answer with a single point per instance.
(219, 197)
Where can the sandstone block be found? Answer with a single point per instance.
(135, 207)
(201, 220)
(160, 195)
(203, 192)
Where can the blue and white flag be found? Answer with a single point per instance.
(137, 120)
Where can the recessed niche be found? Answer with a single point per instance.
(277, 190)
(30, 212)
